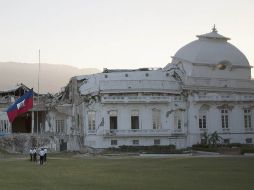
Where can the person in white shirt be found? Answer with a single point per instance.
(41, 153)
(31, 154)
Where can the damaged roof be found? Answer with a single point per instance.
(18, 89)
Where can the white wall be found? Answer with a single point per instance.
(99, 140)
(211, 72)
(236, 132)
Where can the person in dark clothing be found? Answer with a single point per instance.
(45, 154)
(34, 155)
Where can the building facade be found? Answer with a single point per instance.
(206, 88)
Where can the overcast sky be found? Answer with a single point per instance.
(117, 33)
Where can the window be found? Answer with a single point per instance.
(114, 142)
(91, 120)
(135, 142)
(113, 120)
(178, 120)
(134, 119)
(60, 128)
(4, 126)
(248, 141)
(157, 142)
(202, 122)
(247, 118)
(78, 120)
(156, 119)
(226, 141)
(221, 66)
(179, 124)
(203, 141)
(1, 126)
(224, 119)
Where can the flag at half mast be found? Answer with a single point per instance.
(22, 105)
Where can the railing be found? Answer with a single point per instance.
(139, 85)
(140, 132)
(220, 83)
(224, 98)
(119, 99)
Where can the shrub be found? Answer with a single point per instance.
(234, 145)
(244, 148)
(204, 147)
(154, 149)
(247, 149)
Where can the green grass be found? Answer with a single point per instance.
(129, 173)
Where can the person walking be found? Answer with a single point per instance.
(31, 154)
(35, 155)
(41, 153)
(45, 154)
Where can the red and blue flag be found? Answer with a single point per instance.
(22, 105)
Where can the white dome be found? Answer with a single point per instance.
(211, 48)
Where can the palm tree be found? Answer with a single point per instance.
(215, 138)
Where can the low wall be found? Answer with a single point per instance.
(22, 142)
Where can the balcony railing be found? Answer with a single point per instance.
(133, 99)
(224, 98)
(140, 132)
(139, 85)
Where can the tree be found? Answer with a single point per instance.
(214, 138)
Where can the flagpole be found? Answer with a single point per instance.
(38, 98)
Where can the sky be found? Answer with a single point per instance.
(117, 34)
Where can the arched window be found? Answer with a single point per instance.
(222, 65)
(202, 119)
(224, 118)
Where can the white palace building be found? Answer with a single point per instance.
(206, 88)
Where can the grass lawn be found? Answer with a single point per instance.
(129, 173)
